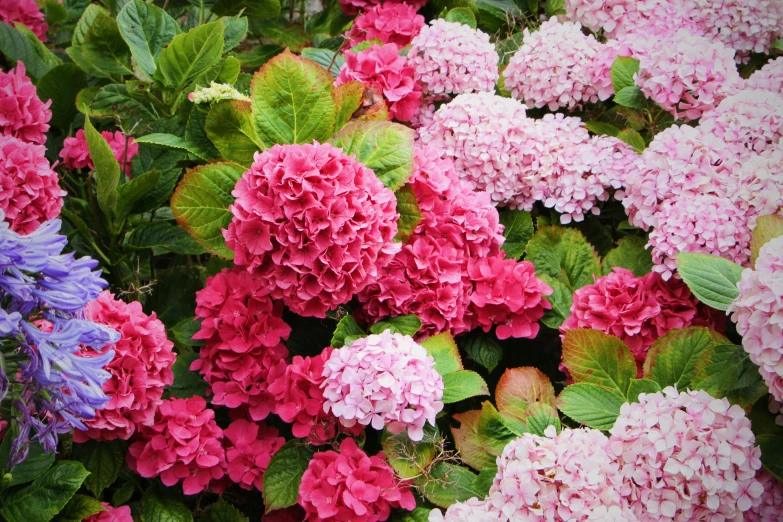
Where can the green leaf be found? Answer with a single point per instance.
(561, 300)
(163, 237)
(103, 460)
(175, 142)
(631, 254)
(114, 101)
(222, 511)
(727, 371)
(408, 209)
(79, 508)
(554, 7)
(483, 349)
(196, 132)
(132, 192)
(383, 146)
(156, 507)
(601, 128)
(483, 482)
(292, 101)
(46, 496)
(402, 324)
(103, 52)
(778, 46)
(200, 204)
(174, 298)
(623, 70)
(493, 15)
(591, 405)
(712, 279)
(147, 29)
(107, 169)
(17, 47)
(408, 458)
(769, 435)
(255, 9)
(461, 385)
(672, 359)
(520, 388)
(347, 100)
(446, 484)
(234, 31)
(347, 327)
(565, 254)
(230, 127)
(122, 494)
(493, 430)
(462, 15)
(419, 514)
(468, 443)
(518, 229)
(61, 85)
(56, 13)
(284, 474)
(540, 416)
(36, 462)
(767, 228)
(190, 54)
(187, 383)
(86, 20)
(183, 332)
(594, 357)
(445, 352)
(641, 386)
(259, 55)
(630, 97)
(634, 139)
(326, 58)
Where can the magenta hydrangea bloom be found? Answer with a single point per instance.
(182, 445)
(141, 368)
(686, 456)
(22, 113)
(351, 7)
(383, 67)
(111, 514)
(76, 155)
(452, 58)
(26, 12)
(703, 223)
(472, 510)
(243, 330)
(29, 189)
(384, 380)
(770, 508)
(249, 448)
(390, 22)
(749, 119)
(768, 78)
(758, 312)
(688, 75)
(314, 223)
(349, 486)
(553, 67)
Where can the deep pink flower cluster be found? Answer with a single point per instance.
(351, 7)
(182, 445)
(758, 312)
(383, 67)
(141, 368)
(22, 113)
(111, 514)
(244, 333)
(638, 310)
(554, 67)
(752, 119)
(389, 22)
(29, 190)
(314, 223)
(768, 78)
(472, 510)
(76, 155)
(349, 486)
(688, 75)
(452, 58)
(249, 449)
(384, 380)
(771, 507)
(686, 456)
(26, 12)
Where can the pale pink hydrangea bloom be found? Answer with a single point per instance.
(702, 223)
(389, 22)
(384, 380)
(472, 510)
(26, 12)
(686, 456)
(688, 75)
(613, 161)
(757, 186)
(771, 507)
(22, 113)
(768, 78)
(453, 58)
(751, 118)
(553, 67)
(758, 312)
(748, 26)
(617, 18)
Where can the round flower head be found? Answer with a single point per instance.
(770, 508)
(768, 78)
(618, 18)
(29, 190)
(611, 161)
(141, 368)
(351, 7)
(390, 23)
(553, 67)
(453, 58)
(382, 66)
(758, 312)
(738, 24)
(243, 332)
(562, 476)
(750, 119)
(757, 187)
(482, 133)
(314, 223)
(472, 510)
(706, 224)
(26, 12)
(249, 448)
(686, 456)
(76, 154)
(22, 113)
(384, 380)
(111, 514)
(688, 75)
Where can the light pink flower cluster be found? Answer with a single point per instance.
(244, 333)
(389, 22)
(76, 155)
(26, 12)
(249, 449)
(351, 7)
(771, 507)
(752, 119)
(111, 514)
(688, 75)
(618, 18)
(29, 190)
(738, 24)
(472, 510)
(182, 445)
(314, 223)
(758, 312)
(141, 368)
(554, 67)
(757, 186)
(686, 456)
(452, 58)
(383, 67)
(384, 380)
(22, 113)
(564, 476)
(768, 78)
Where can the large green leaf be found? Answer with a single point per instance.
(222, 511)
(163, 237)
(402, 324)
(595, 357)
(520, 388)
(156, 506)
(672, 360)
(131, 193)
(79, 508)
(107, 169)
(190, 54)
(565, 254)
(461, 385)
(103, 52)
(36, 462)
(727, 371)
(495, 430)
(147, 29)
(284, 474)
(408, 209)
(518, 229)
(445, 352)
(712, 279)
(769, 435)
(347, 100)
(61, 85)
(229, 126)
(187, 383)
(466, 437)
(591, 405)
(767, 228)
(255, 9)
(629, 253)
(641, 386)
(561, 300)
(623, 70)
(103, 460)
(347, 328)
(46, 496)
(176, 142)
(540, 416)
(114, 101)
(17, 47)
(447, 483)
(482, 348)
(408, 458)
(86, 20)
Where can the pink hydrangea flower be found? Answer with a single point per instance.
(351, 7)
(26, 12)
(29, 189)
(553, 67)
(686, 456)
(704, 223)
(141, 368)
(22, 113)
(384, 380)
(182, 445)
(382, 66)
(758, 312)
(314, 223)
(757, 187)
(744, 26)
(749, 119)
(768, 78)
(349, 486)
(243, 332)
(618, 18)
(688, 75)
(472, 510)
(771, 507)
(111, 514)
(76, 155)
(562, 476)
(249, 448)
(390, 22)
(611, 161)
(453, 58)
